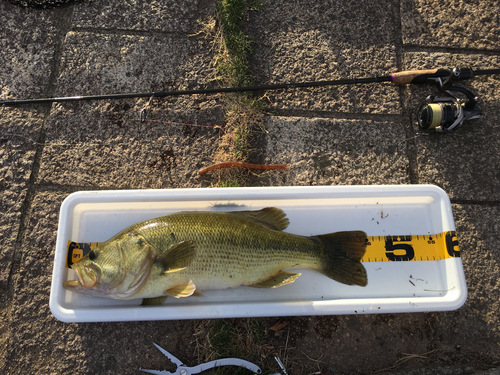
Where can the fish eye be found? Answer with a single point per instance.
(92, 255)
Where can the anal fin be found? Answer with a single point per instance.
(282, 278)
(197, 293)
(182, 290)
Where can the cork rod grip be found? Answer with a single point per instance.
(413, 76)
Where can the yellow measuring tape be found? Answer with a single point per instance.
(412, 247)
(77, 250)
(379, 248)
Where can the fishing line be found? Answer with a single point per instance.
(184, 124)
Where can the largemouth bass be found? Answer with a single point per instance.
(185, 253)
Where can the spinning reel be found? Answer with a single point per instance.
(443, 114)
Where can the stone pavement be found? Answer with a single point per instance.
(346, 135)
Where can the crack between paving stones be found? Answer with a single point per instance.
(398, 35)
(63, 20)
(127, 32)
(411, 147)
(54, 188)
(24, 219)
(492, 203)
(390, 117)
(407, 48)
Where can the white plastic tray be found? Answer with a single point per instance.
(95, 216)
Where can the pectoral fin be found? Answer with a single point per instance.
(282, 278)
(177, 258)
(182, 290)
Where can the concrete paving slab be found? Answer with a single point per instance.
(464, 163)
(96, 63)
(336, 152)
(106, 146)
(327, 40)
(174, 16)
(103, 144)
(27, 45)
(458, 24)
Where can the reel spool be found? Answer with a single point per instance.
(444, 114)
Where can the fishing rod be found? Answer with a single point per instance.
(437, 114)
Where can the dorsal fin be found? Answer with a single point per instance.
(271, 217)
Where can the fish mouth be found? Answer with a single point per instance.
(87, 277)
(73, 284)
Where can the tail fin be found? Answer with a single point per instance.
(342, 254)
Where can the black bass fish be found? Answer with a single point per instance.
(184, 253)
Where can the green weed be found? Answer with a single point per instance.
(243, 112)
(235, 45)
(229, 183)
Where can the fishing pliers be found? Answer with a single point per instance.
(182, 369)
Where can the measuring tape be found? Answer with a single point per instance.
(77, 250)
(379, 248)
(412, 248)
